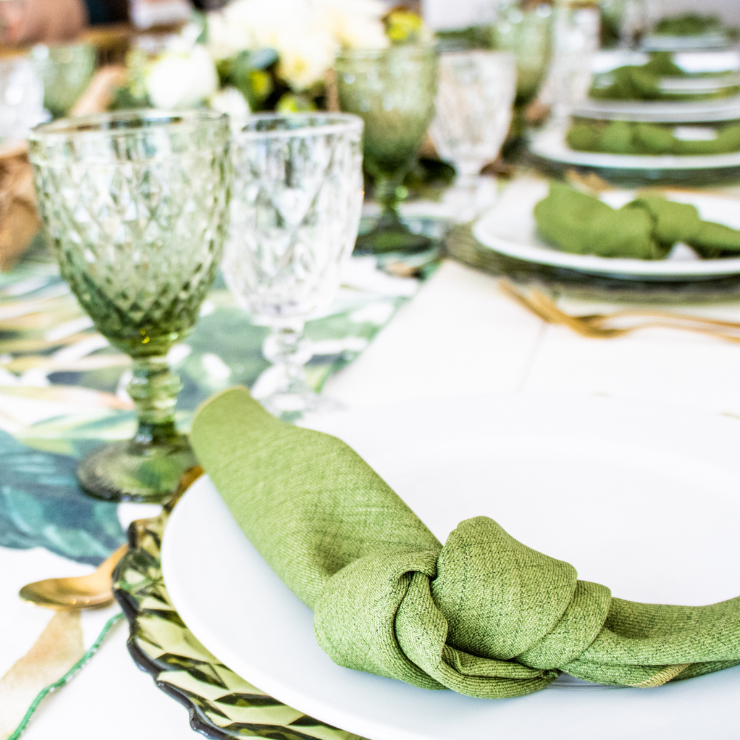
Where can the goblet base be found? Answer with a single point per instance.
(394, 237)
(132, 471)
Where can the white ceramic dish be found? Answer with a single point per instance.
(701, 42)
(644, 500)
(550, 145)
(509, 228)
(697, 62)
(661, 111)
(667, 111)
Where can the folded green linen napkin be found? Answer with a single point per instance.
(637, 82)
(691, 24)
(647, 228)
(624, 137)
(483, 615)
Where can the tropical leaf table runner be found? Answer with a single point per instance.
(62, 394)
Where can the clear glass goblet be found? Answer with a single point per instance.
(66, 71)
(295, 214)
(135, 205)
(393, 91)
(21, 95)
(474, 109)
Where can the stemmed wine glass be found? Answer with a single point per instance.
(135, 205)
(295, 213)
(474, 109)
(393, 91)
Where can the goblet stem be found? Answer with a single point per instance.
(282, 388)
(154, 388)
(389, 233)
(149, 466)
(471, 193)
(389, 193)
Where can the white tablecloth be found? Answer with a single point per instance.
(458, 336)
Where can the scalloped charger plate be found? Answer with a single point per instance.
(643, 499)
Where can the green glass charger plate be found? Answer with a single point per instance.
(221, 704)
(461, 245)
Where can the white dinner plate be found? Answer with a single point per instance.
(661, 111)
(699, 42)
(551, 146)
(509, 228)
(645, 500)
(667, 111)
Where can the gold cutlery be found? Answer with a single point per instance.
(594, 325)
(80, 592)
(96, 589)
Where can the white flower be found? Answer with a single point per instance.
(306, 34)
(231, 101)
(357, 32)
(180, 80)
(225, 38)
(356, 24)
(305, 57)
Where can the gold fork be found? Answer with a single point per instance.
(592, 325)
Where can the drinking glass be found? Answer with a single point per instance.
(527, 33)
(295, 213)
(393, 91)
(474, 109)
(576, 40)
(66, 71)
(21, 97)
(135, 205)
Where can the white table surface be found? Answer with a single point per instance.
(460, 335)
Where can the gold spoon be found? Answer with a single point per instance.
(81, 592)
(96, 589)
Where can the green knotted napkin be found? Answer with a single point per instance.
(483, 615)
(647, 228)
(691, 24)
(634, 82)
(624, 137)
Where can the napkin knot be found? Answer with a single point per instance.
(485, 616)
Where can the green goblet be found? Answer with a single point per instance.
(135, 205)
(66, 71)
(527, 33)
(393, 90)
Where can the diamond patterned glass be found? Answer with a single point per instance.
(393, 91)
(135, 206)
(474, 109)
(295, 213)
(66, 71)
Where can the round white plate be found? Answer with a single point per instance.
(705, 41)
(661, 111)
(646, 501)
(509, 228)
(550, 145)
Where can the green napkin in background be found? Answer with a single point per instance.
(647, 228)
(690, 24)
(483, 615)
(623, 137)
(637, 82)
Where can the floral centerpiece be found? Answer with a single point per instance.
(256, 55)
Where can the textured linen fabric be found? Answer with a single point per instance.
(647, 228)
(638, 82)
(624, 137)
(483, 615)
